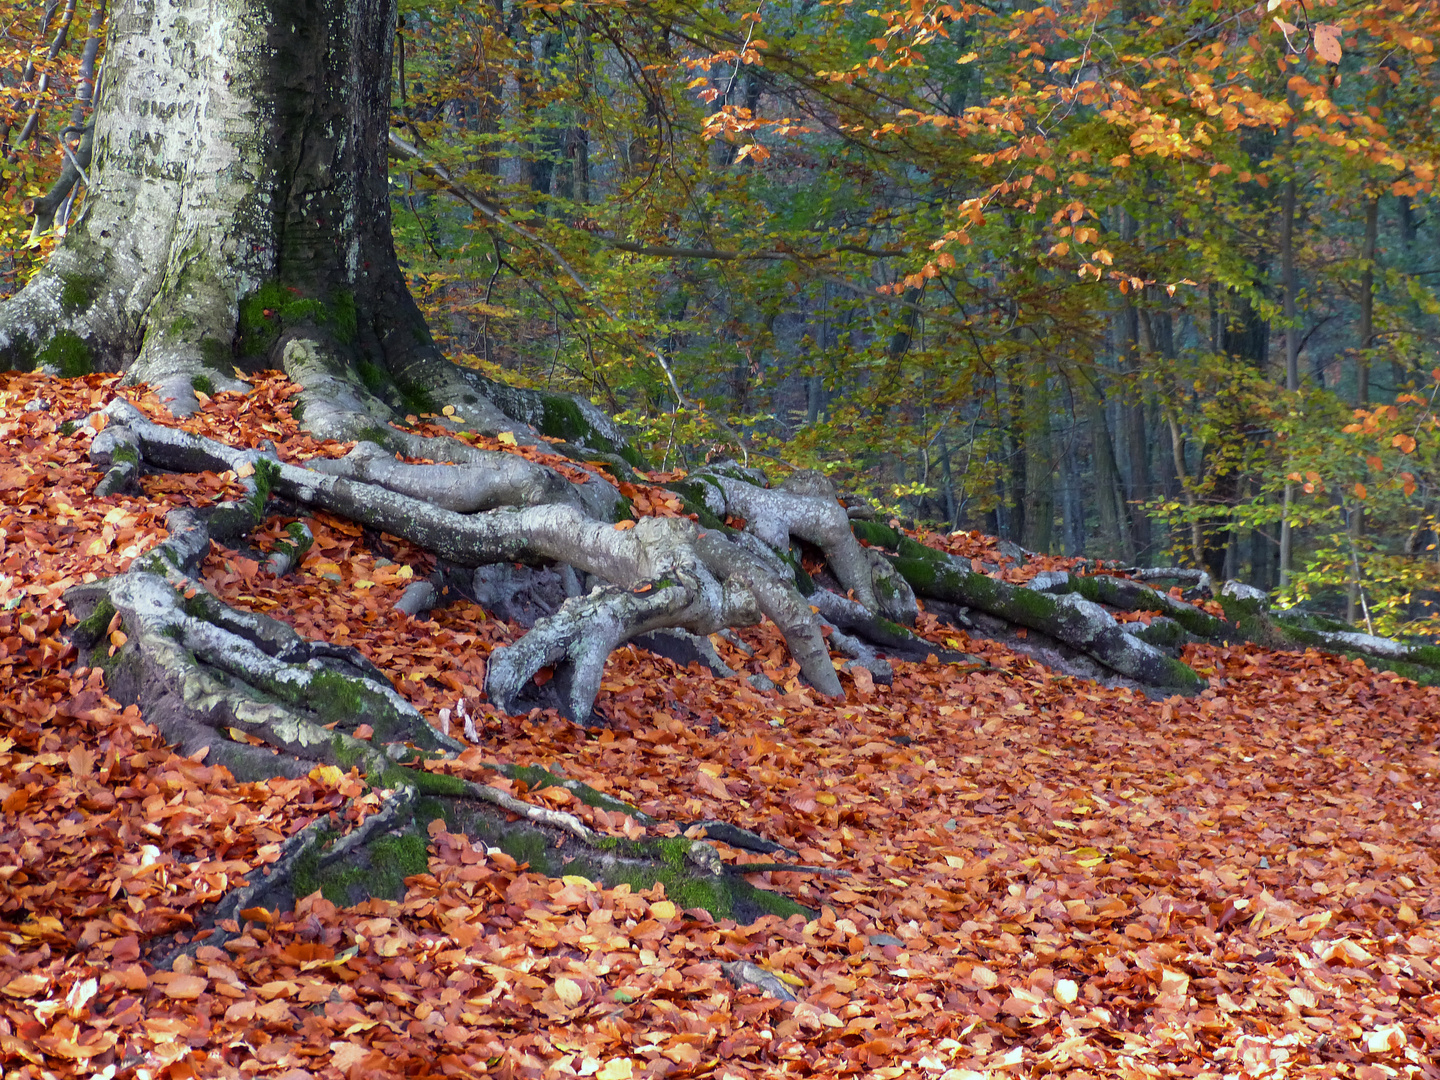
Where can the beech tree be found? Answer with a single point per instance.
(238, 220)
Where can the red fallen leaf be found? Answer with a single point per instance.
(258, 915)
(641, 589)
(183, 987)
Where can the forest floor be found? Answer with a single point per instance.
(1046, 877)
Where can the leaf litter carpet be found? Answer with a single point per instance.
(1046, 877)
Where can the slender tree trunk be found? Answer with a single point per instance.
(1016, 451)
(1072, 496)
(1177, 450)
(1366, 332)
(1109, 487)
(1292, 353)
(1039, 471)
(1132, 410)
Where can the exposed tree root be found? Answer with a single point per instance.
(262, 701)
(664, 572)
(1069, 618)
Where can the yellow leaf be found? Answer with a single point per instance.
(326, 774)
(26, 985)
(785, 976)
(1066, 991)
(507, 437)
(1174, 982)
(448, 410)
(826, 798)
(662, 909)
(569, 992)
(616, 1069)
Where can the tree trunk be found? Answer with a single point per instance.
(1039, 472)
(1290, 287)
(1115, 538)
(1366, 333)
(1132, 425)
(239, 213)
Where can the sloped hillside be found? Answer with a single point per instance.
(1026, 873)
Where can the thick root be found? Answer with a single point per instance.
(1069, 618)
(673, 574)
(257, 699)
(806, 506)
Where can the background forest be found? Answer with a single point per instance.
(1142, 281)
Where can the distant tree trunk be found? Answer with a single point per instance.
(1366, 329)
(1072, 497)
(1015, 450)
(1132, 411)
(1177, 450)
(490, 93)
(1115, 536)
(1292, 354)
(1366, 333)
(1039, 471)
(1406, 213)
(1157, 333)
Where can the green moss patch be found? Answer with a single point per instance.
(67, 353)
(276, 306)
(92, 628)
(77, 292)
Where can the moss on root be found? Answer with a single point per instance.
(562, 418)
(641, 864)
(377, 869)
(88, 632)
